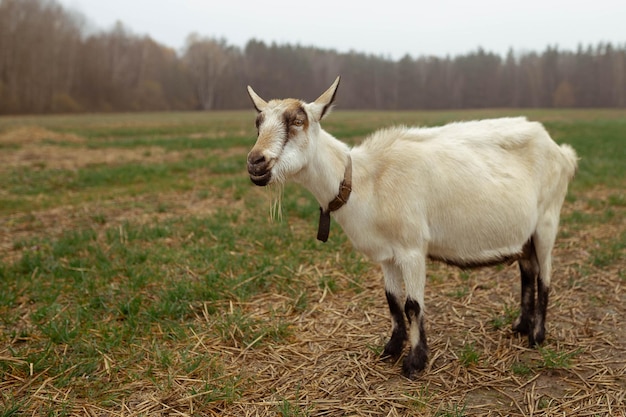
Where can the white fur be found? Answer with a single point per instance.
(467, 192)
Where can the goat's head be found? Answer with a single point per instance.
(286, 135)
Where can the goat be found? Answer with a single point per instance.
(468, 193)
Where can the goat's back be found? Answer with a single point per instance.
(492, 150)
(473, 190)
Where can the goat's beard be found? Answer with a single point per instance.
(276, 190)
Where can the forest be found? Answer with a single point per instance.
(50, 63)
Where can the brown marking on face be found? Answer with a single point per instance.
(291, 118)
(294, 116)
(259, 120)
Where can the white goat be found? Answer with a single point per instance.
(469, 194)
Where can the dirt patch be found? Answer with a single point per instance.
(220, 134)
(40, 148)
(35, 135)
(70, 158)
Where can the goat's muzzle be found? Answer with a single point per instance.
(259, 168)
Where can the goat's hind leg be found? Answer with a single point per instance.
(544, 239)
(535, 271)
(395, 297)
(528, 272)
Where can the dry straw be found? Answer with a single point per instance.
(326, 362)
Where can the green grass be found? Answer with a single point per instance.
(287, 408)
(420, 400)
(469, 355)
(552, 359)
(454, 410)
(600, 144)
(502, 321)
(521, 369)
(115, 269)
(609, 251)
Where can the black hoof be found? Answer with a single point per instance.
(414, 364)
(522, 326)
(395, 345)
(536, 338)
(393, 350)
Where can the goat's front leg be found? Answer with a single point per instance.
(395, 298)
(413, 267)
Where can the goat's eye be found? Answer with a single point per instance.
(298, 122)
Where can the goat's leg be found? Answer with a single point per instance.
(544, 242)
(538, 335)
(414, 274)
(528, 271)
(417, 358)
(395, 298)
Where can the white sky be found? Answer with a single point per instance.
(391, 28)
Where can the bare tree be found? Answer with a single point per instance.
(38, 52)
(49, 64)
(207, 60)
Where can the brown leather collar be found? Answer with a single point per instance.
(345, 188)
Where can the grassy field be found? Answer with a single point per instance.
(140, 275)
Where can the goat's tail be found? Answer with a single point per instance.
(571, 159)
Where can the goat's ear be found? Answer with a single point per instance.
(323, 104)
(258, 102)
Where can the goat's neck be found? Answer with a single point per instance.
(325, 170)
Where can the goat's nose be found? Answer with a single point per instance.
(258, 168)
(256, 159)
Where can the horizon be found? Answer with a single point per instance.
(559, 25)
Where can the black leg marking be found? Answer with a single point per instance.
(395, 345)
(538, 335)
(524, 323)
(417, 358)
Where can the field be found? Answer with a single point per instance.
(140, 275)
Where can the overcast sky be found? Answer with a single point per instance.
(390, 28)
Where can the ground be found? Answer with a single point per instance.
(296, 333)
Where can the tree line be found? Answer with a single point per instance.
(49, 63)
